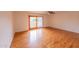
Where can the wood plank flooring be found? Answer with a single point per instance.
(46, 38)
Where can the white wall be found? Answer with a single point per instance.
(65, 20)
(21, 19)
(6, 29)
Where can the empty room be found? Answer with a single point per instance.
(39, 29)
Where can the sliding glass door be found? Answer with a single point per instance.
(35, 22)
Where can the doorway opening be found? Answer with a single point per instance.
(35, 22)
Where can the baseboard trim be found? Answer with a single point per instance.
(30, 29)
(62, 30)
(12, 39)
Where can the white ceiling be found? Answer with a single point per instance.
(41, 12)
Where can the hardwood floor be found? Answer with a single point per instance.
(46, 38)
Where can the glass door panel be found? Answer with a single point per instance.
(39, 22)
(33, 22)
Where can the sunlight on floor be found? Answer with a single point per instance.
(35, 36)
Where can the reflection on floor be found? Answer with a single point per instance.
(46, 38)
